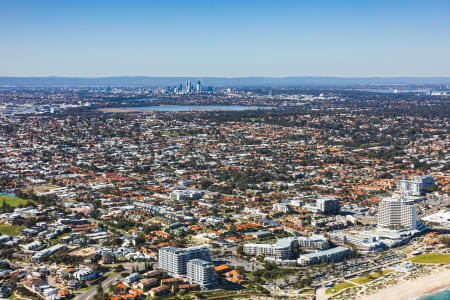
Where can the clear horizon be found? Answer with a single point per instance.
(228, 77)
(225, 38)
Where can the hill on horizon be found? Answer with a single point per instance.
(149, 81)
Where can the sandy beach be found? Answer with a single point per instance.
(424, 285)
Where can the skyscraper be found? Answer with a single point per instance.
(198, 86)
(397, 213)
(188, 86)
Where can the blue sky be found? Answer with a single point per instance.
(224, 38)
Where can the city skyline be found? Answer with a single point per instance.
(225, 39)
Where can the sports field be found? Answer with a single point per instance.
(12, 201)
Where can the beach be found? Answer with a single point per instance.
(425, 285)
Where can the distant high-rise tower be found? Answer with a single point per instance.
(198, 86)
(188, 86)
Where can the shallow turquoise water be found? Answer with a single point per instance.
(440, 295)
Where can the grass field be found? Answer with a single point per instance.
(218, 294)
(432, 258)
(338, 287)
(11, 230)
(12, 201)
(369, 278)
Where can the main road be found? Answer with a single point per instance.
(89, 294)
(107, 282)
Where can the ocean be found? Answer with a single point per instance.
(443, 294)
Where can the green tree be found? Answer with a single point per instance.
(99, 295)
(175, 288)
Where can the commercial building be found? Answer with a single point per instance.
(334, 254)
(328, 205)
(201, 272)
(442, 218)
(282, 248)
(368, 241)
(274, 250)
(316, 241)
(397, 213)
(174, 260)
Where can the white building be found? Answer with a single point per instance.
(85, 274)
(397, 213)
(335, 254)
(282, 248)
(316, 241)
(442, 218)
(368, 241)
(277, 250)
(281, 207)
(179, 195)
(132, 278)
(415, 186)
(201, 272)
(33, 246)
(174, 260)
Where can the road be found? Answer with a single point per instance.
(89, 294)
(107, 282)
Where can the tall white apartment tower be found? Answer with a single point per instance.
(414, 187)
(174, 260)
(201, 272)
(397, 213)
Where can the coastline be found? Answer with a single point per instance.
(422, 286)
(430, 293)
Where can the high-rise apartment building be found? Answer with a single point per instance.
(174, 260)
(415, 186)
(201, 272)
(397, 213)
